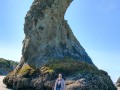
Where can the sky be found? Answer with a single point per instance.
(95, 23)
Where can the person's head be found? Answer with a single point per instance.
(59, 75)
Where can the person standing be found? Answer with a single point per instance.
(60, 83)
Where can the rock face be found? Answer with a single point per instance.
(50, 48)
(78, 76)
(118, 83)
(6, 66)
(47, 34)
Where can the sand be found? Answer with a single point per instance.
(118, 88)
(2, 86)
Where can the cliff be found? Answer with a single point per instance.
(6, 66)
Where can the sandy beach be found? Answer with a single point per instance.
(119, 88)
(2, 86)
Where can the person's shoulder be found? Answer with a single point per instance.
(57, 79)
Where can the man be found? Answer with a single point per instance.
(60, 83)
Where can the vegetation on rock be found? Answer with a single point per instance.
(48, 40)
(68, 66)
(6, 66)
(73, 71)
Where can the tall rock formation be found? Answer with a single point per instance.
(47, 34)
(50, 48)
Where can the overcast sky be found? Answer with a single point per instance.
(95, 23)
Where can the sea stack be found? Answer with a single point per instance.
(50, 48)
(48, 35)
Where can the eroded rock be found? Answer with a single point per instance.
(50, 48)
(78, 76)
(47, 34)
(118, 83)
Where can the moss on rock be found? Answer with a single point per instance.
(71, 69)
(45, 70)
(26, 70)
(68, 66)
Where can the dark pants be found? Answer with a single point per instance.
(57, 88)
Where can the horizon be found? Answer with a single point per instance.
(94, 23)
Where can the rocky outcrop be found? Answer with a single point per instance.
(118, 83)
(47, 34)
(50, 48)
(6, 66)
(78, 76)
